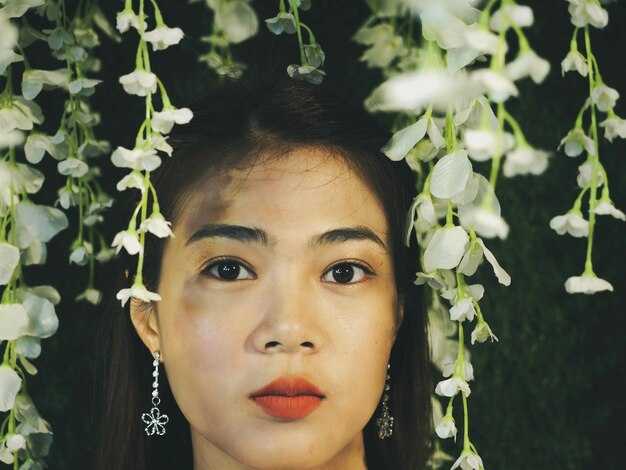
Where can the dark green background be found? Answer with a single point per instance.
(550, 394)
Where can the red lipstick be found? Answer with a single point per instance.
(288, 398)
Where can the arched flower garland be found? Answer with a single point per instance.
(151, 139)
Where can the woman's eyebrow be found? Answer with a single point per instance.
(345, 234)
(234, 232)
(256, 235)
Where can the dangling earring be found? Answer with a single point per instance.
(155, 420)
(385, 422)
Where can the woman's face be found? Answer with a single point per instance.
(279, 271)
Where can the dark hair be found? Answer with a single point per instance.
(232, 124)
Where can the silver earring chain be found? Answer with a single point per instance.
(155, 420)
(385, 422)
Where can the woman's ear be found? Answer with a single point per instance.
(143, 316)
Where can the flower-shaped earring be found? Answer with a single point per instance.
(155, 420)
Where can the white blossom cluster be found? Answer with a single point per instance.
(449, 82)
(311, 54)
(234, 21)
(584, 140)
(27, 313)
(151, 138)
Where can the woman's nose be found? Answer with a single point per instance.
(289, 322)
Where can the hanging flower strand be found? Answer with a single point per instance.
(151, 138)
(74, 143)
(233, 23)
(591, 174)
(27, 313)
(447, 122)
(311, 55)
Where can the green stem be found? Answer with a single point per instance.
(594, 158)
(294, 9)
(495, 164)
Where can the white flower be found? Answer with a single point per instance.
(575, 141)
(43, 321)
(306, 72)
(137, 159)
(139, 292)
(450, 175)
(84, 86)
(413, 91)
(451, 386)
(497, 85)
(73, 167)
(14, 442)
(509, 14)
(604, 97)
(574, 60)
(502, 276)
(483, 144)
(127, 239)
(481, 39)
(605, 207)
(236, 19)
(163, 121)
(448, 366)
(159, 142)
(11, 138)
(8, 57)
(10, 384)
(9, 258)
(445, 249)
(13, 321)
(91, 295)
(587, 284)
(405, 139)
(423, 216)
(483, 214)
(572, 223)
(162, 37)
(157, 225)
(446, 428)
(38, 144)
(105, 254)
(126, 19)
(132, 180)
(614, 126)
(435, 280)
(463, 310)
(586, 12)
(33, 81)
(282, 22)
(481, 332)
(386, 46)
(525, 160)
(528, 64)
(468, 461)
(36, 222)
(79, 256)
(585, 173)
(139, 82)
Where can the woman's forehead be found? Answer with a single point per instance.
(307, 185)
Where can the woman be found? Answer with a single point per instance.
(287, 303)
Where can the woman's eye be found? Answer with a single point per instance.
(346, 273)
(228, 270)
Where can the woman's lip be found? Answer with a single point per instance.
(288, 398)
(289, 387)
